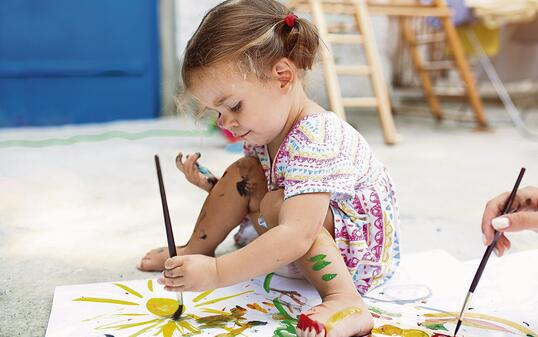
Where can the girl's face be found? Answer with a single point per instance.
(256, 111)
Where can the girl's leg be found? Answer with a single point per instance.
(237, 193)
(342, 311)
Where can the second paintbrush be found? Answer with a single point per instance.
(169, 234)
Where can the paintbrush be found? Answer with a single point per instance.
(478, 274)
(169, 234)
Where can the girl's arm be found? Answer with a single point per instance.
(300, 220)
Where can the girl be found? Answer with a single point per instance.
(309, 184)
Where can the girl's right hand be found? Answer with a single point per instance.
(195, 174)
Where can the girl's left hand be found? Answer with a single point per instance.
(190, 273)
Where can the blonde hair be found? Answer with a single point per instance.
(251, 33)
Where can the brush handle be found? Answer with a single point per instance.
(489, 250)
(167, 223)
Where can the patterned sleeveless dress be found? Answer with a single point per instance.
(323, 153)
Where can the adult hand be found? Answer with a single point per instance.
(524, 216)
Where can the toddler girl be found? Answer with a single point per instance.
(308, 184)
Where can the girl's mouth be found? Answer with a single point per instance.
(245, 134)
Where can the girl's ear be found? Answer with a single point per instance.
(284, 71)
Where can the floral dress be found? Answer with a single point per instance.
(323, 153)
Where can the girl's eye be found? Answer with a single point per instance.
(236, 107)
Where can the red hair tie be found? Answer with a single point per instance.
(290, 20)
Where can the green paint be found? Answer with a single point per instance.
(320, 265)
(286, 329)
(281, 309)
(435, 326)
(384, 312)
(319, 257)
(328, 277)
(102, 137)
(267, 282)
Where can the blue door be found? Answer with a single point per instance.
(78, 61)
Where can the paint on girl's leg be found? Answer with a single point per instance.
(242, 187)
(318, 258)
(328, 277)
(340, 315)
(320, 265)
(261, 222)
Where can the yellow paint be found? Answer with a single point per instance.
(452, 318)
(129, 290)
(340, 315)
(222, 298)
(234, 333)
(126, 326)
(169, 328)
(104, 300)
(129, 314)
(150, 285)
(414, 333)
(390, 330)
(188, 326)
(256, 306)
(202, 295)
(141, 331)
(163, 307)
(215, 311)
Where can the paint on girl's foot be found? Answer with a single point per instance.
(328, 277)
(340, 315)
(305, 323)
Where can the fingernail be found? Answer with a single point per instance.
(484, 239)
(500, 222)
(496, 251)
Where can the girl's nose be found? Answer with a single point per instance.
(227, 122)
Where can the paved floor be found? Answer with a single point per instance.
(86, 212)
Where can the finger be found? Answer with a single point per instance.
(173, 262)
(492, 210)
(503, 245)
(174, 282)
(516, 222)
(179, 161)
(175, 289)
(173, 273)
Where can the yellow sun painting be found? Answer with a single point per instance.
(153, 315)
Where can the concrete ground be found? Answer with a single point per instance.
(87, 212)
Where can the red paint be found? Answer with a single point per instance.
(440, 335)
(306, 322)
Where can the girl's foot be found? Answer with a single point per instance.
(154, 259)
(340, 315)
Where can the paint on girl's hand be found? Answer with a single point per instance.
(319, 257)
(328, 277)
